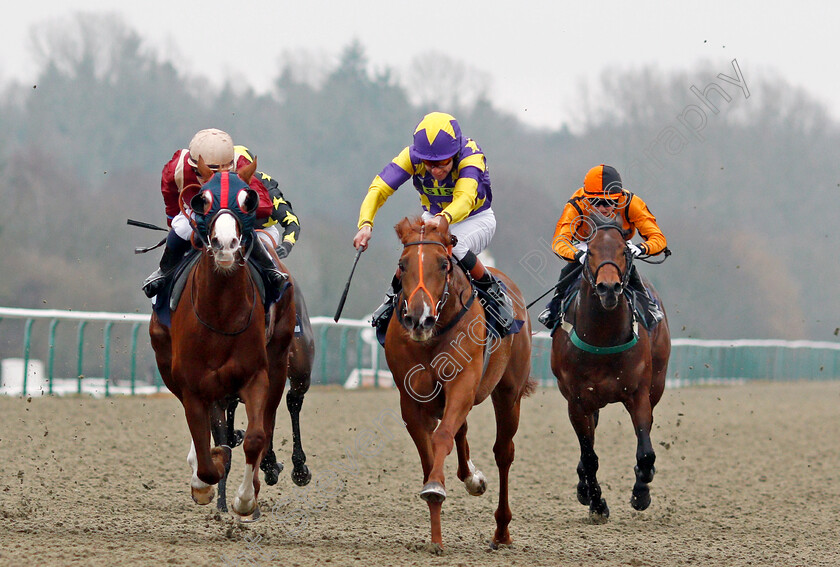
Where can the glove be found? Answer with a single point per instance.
(580, 256)
(284, 249)
(636, 250)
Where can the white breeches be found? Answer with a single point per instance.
(473, 233)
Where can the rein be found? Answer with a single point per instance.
(591, 278)
(438, 308)
(421, 285)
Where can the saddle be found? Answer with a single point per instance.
(646, 307)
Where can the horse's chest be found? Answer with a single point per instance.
(601, 388)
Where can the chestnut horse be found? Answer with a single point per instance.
(602, 356)
(216, 346)
(435, 346)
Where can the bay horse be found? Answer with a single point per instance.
(223, 413)
(435, 346)
(217, 347)
(601, 355)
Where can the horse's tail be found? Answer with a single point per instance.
(530, 387)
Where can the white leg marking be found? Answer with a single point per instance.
(476, 483)
(245, 500)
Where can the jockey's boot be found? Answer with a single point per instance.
(653, 314)
(551, 314)
(502, 306)
(175, 249)
(263, 260)
(382, 316)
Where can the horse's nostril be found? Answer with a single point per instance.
(428, 322)
(409, 321)
(601, 288)
(616, 288)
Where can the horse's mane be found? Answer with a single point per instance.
(412, 225)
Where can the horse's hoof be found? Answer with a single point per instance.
(476, 483)
(238, 438)
(252, 517)
(203, 496)
(433, 492)
(496, 545)
(301, 476)
(599, 514)
(246, 510)
(272, 474)
(641, 497)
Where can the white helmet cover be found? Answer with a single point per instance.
(215, 146)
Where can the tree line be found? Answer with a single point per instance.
(746, 192)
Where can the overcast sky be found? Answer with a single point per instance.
(537, 53)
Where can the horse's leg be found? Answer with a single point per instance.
(473, 479)
(420, 426)
(207, 468)
(459, 401)
(301, 357)
(588, 490)
(269, 465)
(300, 372)
(642, 415)
(506, 406)
(221, 417)
(254, 395)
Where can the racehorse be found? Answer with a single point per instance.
(602, 356)
(435, 346)
(217, 347)
(222, 420)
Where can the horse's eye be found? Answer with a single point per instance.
(401, 266)
(444, 265)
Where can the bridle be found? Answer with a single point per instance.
(421, 285)
(592, 277)
(208, 249)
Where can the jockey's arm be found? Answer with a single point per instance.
(562, 242)
(281, 214)
(465, 193)
(397, 172)
(644, 221)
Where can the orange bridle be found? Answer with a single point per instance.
(421, 285)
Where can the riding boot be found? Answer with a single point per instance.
(502, 306)
(382, 316)
(265, 263)
(653, 314)
(175, 249)
(551, 314)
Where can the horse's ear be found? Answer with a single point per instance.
(201, 202)
(247, 172)
(248, 200)
(403, 228)
(204, 171)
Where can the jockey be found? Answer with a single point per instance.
(450, 173)
(219, 153)
(603, 192)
